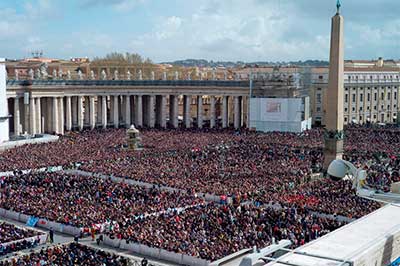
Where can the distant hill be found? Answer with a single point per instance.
(228, 64)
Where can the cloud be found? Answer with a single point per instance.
(118, 5)
(40, 9)
(251, 30)
(232, 30)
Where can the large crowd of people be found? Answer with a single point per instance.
(234, 167)
(84, 201)
(72, 254)
(10, 233)
(13, 238)
(253, 168)
(212, 232)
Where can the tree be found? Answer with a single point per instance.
(128, 58)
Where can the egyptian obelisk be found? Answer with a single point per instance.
(334, 111)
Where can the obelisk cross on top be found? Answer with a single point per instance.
(338, 5)
(335, 94)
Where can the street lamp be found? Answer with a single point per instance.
(341, 169)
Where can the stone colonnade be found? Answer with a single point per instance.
(55, 115)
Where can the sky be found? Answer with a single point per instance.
(166, 30)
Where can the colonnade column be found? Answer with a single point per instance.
(138, 111)
(104, 111)
(212, 112)
(92, 111)
(38, 111)
(163, 111)
(115, 111)
(173, 110)
(99, 109)
(161, 105)
(80, 113)
(187, 100)
(17, 117)
(54, 115)
(237, 112)
(87, 111)
(61, 115)
(49, 115)
(150, 111)
(225, 111)
(199, 111)
(68, 113)
(248, 112)
(74, 112)
(32, 117)
(26, 114)
(127, 111)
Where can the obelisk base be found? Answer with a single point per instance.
(333, 150)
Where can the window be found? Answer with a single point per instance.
(319, 98)
(368, 108)
(346, 98)
(346, 89)
(375, 107)
(395, 95)
(375, 96)
(388, 107)
(361, 97)
(382, 96)
(388, 96)
(368, 97)
(353, 109)
(361, 108)
(345, 119)
(318, 109)
(354, 98)
(345, 109)
(319, 89)
(321, 77)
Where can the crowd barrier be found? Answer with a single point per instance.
(42, 240)
(37, 170)
(42, 223)
(44, 138)
(338, 218)
(155, 253)
(10, 214)
(206, 196)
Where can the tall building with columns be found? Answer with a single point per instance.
(56, 106)
(371, 94)
(4, 130)
(334, 112)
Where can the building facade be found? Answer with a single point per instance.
(371, 94)
(56, 106)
